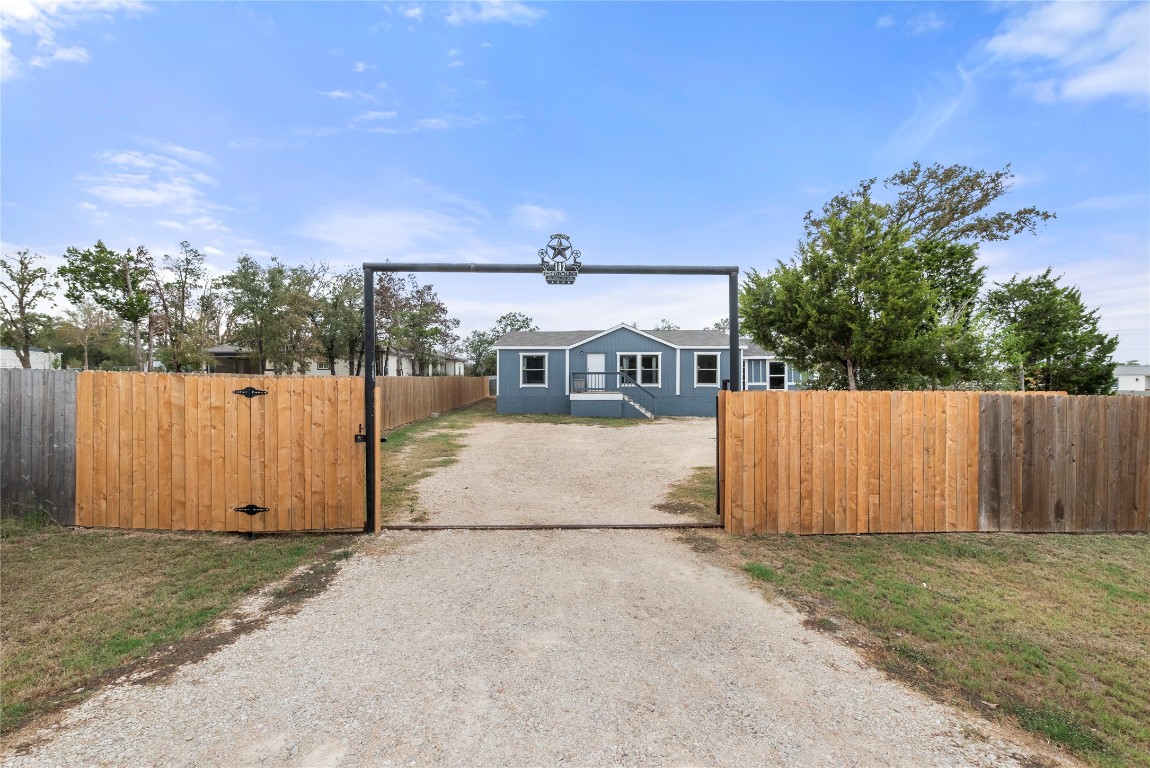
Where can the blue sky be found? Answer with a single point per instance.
(651, 133)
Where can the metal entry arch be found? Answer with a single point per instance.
(369, 331)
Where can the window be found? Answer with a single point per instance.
(532, 370)
(642, 368)
(706, 369)
(777, 375)
(321, 365)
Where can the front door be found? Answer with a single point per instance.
(596, 363)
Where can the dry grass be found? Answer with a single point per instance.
(80, 606)
(1050, 631)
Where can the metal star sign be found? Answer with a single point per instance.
(560, 262)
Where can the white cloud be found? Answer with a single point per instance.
(489, 11)
(432, 123)
(45, 20)
(1109, 203)
(362, 66)
(336, 94)
(925, 22)
(208, 250)
(537, 218)
(1078, 51)
(885, 21)
(395, 232)
(370, 116)
(934, 111)
(162, 180)
(414, 12)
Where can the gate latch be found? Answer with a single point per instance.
(251, 509)
(361, 436)
(249, 391)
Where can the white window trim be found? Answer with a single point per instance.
(546, 368)
(639, 370)
(718, 368)
(747, 382)
(785, 382)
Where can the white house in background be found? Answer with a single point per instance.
(228, 358)
(1132, 378)
(37, 357)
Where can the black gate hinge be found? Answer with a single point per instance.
(249, 391)
(251, 509)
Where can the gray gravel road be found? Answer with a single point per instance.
(581, 648)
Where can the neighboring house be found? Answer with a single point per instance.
(625, 372)
(1132, 378)
(228, 358)
(37, 357)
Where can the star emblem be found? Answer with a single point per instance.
(559, 252)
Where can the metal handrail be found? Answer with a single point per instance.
(597, 381)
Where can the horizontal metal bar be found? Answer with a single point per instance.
(536, 269)
(552, 527)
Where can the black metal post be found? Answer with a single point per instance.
(736, 358)
(370, 268)
(369, 393)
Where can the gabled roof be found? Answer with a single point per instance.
(682, 339)
(1132, 370)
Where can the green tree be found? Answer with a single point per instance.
(118, 282)
(723, 325)
(271, 312)
(478, 346)
(943, 203)
(1050, 338)
(425, 325)
(186, 309)
(886, 296)
(666, 325)
(87, 325)
(393, 299)
(339, 320)
(850, 308)
(23, 287)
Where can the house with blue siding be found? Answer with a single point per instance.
(626, 372)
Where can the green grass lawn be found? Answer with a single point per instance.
(1051, 631)
(78, 605)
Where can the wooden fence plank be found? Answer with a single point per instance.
(137, 512)
(218, 394)
(988, 491)
(794, 454)
(1127, 423)
(84, 448)
(955, 495)
(151, 505)
(1114, 432)
(747, 472)
(733, 459)
(861, 457)
(763, 458)
(808, 522)
(883, 523)
(775, 523)
(854, 458)
(283, 458)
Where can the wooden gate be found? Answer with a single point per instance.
(195, 452)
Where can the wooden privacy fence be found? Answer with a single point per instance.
(183, 452)
(903, 462)
(410, 398)
(38, 440)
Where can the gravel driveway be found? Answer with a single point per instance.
(531, 648)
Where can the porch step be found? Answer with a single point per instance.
(639, 408)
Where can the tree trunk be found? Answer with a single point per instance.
(1021, 378)
(85, 355)
(851, 384)
(24, 354)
